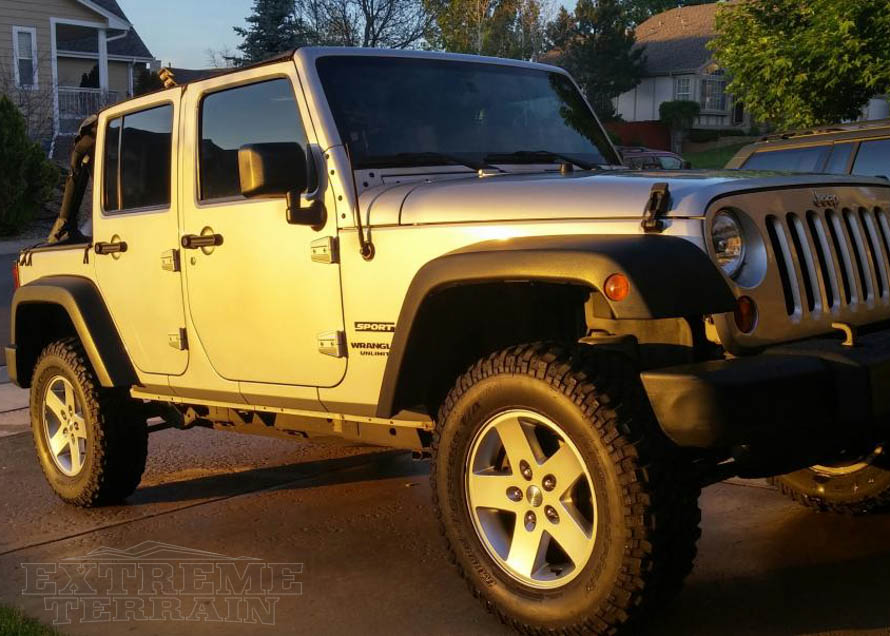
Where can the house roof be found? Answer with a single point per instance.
(676, 40)
(130, 45)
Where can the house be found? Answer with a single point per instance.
(679, 66)
(62, 60)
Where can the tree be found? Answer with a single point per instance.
(800, 64)
(600, 52)
(679, 116)
(272, 28)
(27, 177)
(502, 28)
(395, 24)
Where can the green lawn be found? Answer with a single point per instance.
(14, 623)
(714, 158)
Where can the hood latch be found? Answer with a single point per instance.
(656, 207)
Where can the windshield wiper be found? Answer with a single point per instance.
(532, 155)
(417, 158)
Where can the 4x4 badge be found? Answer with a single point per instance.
(825, 200)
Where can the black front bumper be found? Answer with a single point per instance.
(806, 392)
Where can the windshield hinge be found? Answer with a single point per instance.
(656, 207)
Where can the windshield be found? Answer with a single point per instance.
(394, 111)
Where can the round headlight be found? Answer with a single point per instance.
(728, 241)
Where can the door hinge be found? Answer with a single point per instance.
(324, 250)
(170, 261)
(332, 343)
(178, 340)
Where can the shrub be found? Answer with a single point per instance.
(702, 135)
(27, 177)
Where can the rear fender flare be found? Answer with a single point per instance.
(93, 325)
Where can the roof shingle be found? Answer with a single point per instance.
(676, 40)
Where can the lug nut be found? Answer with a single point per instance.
(530, 521)
(514, 493)
(525, 469)
(552, 515)
(549, 483)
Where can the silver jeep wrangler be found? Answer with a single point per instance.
(443, 253)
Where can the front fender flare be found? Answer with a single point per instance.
(670, 277)
(82, 302)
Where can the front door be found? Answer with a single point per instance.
(259, 303)
(135, 230)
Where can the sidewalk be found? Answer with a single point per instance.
(14, 416)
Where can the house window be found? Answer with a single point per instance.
(24, 48)
(713, 94)
(683, 90)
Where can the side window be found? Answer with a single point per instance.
(257, 113)
(809, 159)
(138, 151)
(873, 158)
(839, 159)
(670, 163)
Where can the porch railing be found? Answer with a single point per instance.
(75, 104)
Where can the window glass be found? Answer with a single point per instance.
(683, 89)
(25, 57)
(112, 147)
(258, 113)
(713, 96)
(394, 111)
(839, 159)
(670, 163)
(138, 174)
(873, 158)
(809, 159)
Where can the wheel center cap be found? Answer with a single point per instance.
(535, 496)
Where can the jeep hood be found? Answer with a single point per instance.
(550, 195)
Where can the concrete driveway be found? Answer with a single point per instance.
(358, 524)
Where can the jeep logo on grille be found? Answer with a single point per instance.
(825, 200)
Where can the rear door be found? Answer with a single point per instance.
(135, 231)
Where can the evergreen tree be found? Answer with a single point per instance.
(272, 28)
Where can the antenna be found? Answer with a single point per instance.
(366, 247)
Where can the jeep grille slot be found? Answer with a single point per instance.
(804, 256)
(787, 273)
(823, 252)
(859, 258)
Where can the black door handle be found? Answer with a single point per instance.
(110, 248)
(197, 241)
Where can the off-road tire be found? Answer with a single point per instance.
(116, 431)
(649, 522)
(862, 491)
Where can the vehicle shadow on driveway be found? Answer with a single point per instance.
(816, 573)
(370, 466)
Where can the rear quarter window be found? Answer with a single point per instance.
(807, 159)
(873, 158)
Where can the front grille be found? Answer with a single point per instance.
(831, 262)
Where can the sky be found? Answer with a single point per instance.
(179, 32)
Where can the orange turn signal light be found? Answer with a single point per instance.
(745, 314)
(617, 287)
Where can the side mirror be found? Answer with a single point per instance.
(687, 165)
(279, 169)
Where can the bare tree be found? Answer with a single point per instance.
(394, 24)
(220, 58)
(37, 103)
